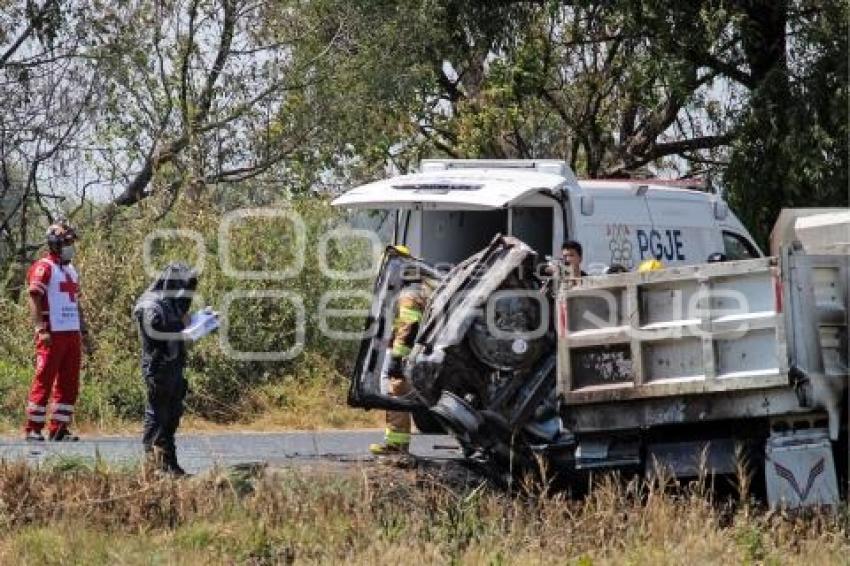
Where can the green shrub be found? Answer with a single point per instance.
(14, 387)
(110, 261)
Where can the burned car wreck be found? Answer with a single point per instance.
(484, 364)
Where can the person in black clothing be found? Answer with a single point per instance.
(162, 312)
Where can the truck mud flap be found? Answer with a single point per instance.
(800, 470)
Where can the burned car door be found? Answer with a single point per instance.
(368, 379)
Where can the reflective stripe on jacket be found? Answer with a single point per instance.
(411, 305)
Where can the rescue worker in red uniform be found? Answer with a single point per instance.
(60, 331)
(411, 306)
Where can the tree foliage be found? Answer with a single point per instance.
(48, 94)
(133, 98)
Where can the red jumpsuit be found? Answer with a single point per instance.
(57, 366)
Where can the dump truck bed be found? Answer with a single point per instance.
(698, 343)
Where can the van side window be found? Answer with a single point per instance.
(738, 247)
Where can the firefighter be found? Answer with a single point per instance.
(161, 313)
(411, 306)
(60, 332)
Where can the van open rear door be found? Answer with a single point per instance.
(462, 189)
(479, 189)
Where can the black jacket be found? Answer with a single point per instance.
(160, 309)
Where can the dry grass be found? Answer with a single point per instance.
(305, 404)
(380, 516)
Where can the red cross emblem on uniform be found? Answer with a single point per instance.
(70, 287)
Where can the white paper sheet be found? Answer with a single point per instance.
(202, 323)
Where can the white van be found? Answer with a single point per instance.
(454, 207)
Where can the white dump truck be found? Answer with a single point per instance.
(696, 368)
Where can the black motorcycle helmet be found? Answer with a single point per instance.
(177, 282)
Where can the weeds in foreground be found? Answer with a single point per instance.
(96, 515)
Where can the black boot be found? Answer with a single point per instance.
(171, 465)
(164, 462)
(62, 435)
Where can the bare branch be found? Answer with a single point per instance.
(26, 33)
(449, 86)
(669, 148)
(249, 172)
(438, 142)
(721, 67)
(184, 64)
(220, 59)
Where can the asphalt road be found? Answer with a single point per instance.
(200, 452)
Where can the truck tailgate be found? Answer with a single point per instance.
(678, 331)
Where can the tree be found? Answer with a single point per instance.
(532, 80)
(785, 65)
(200, 92)
(170, 97)
(750, 93)
(48, 93)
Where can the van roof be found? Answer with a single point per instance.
(476, 186)
(631, 185)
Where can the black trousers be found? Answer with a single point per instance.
(165, 394)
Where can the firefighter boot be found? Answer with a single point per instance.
(397, 433)
(394, 443)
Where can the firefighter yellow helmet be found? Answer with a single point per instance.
(650, 265)
(402, 249)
